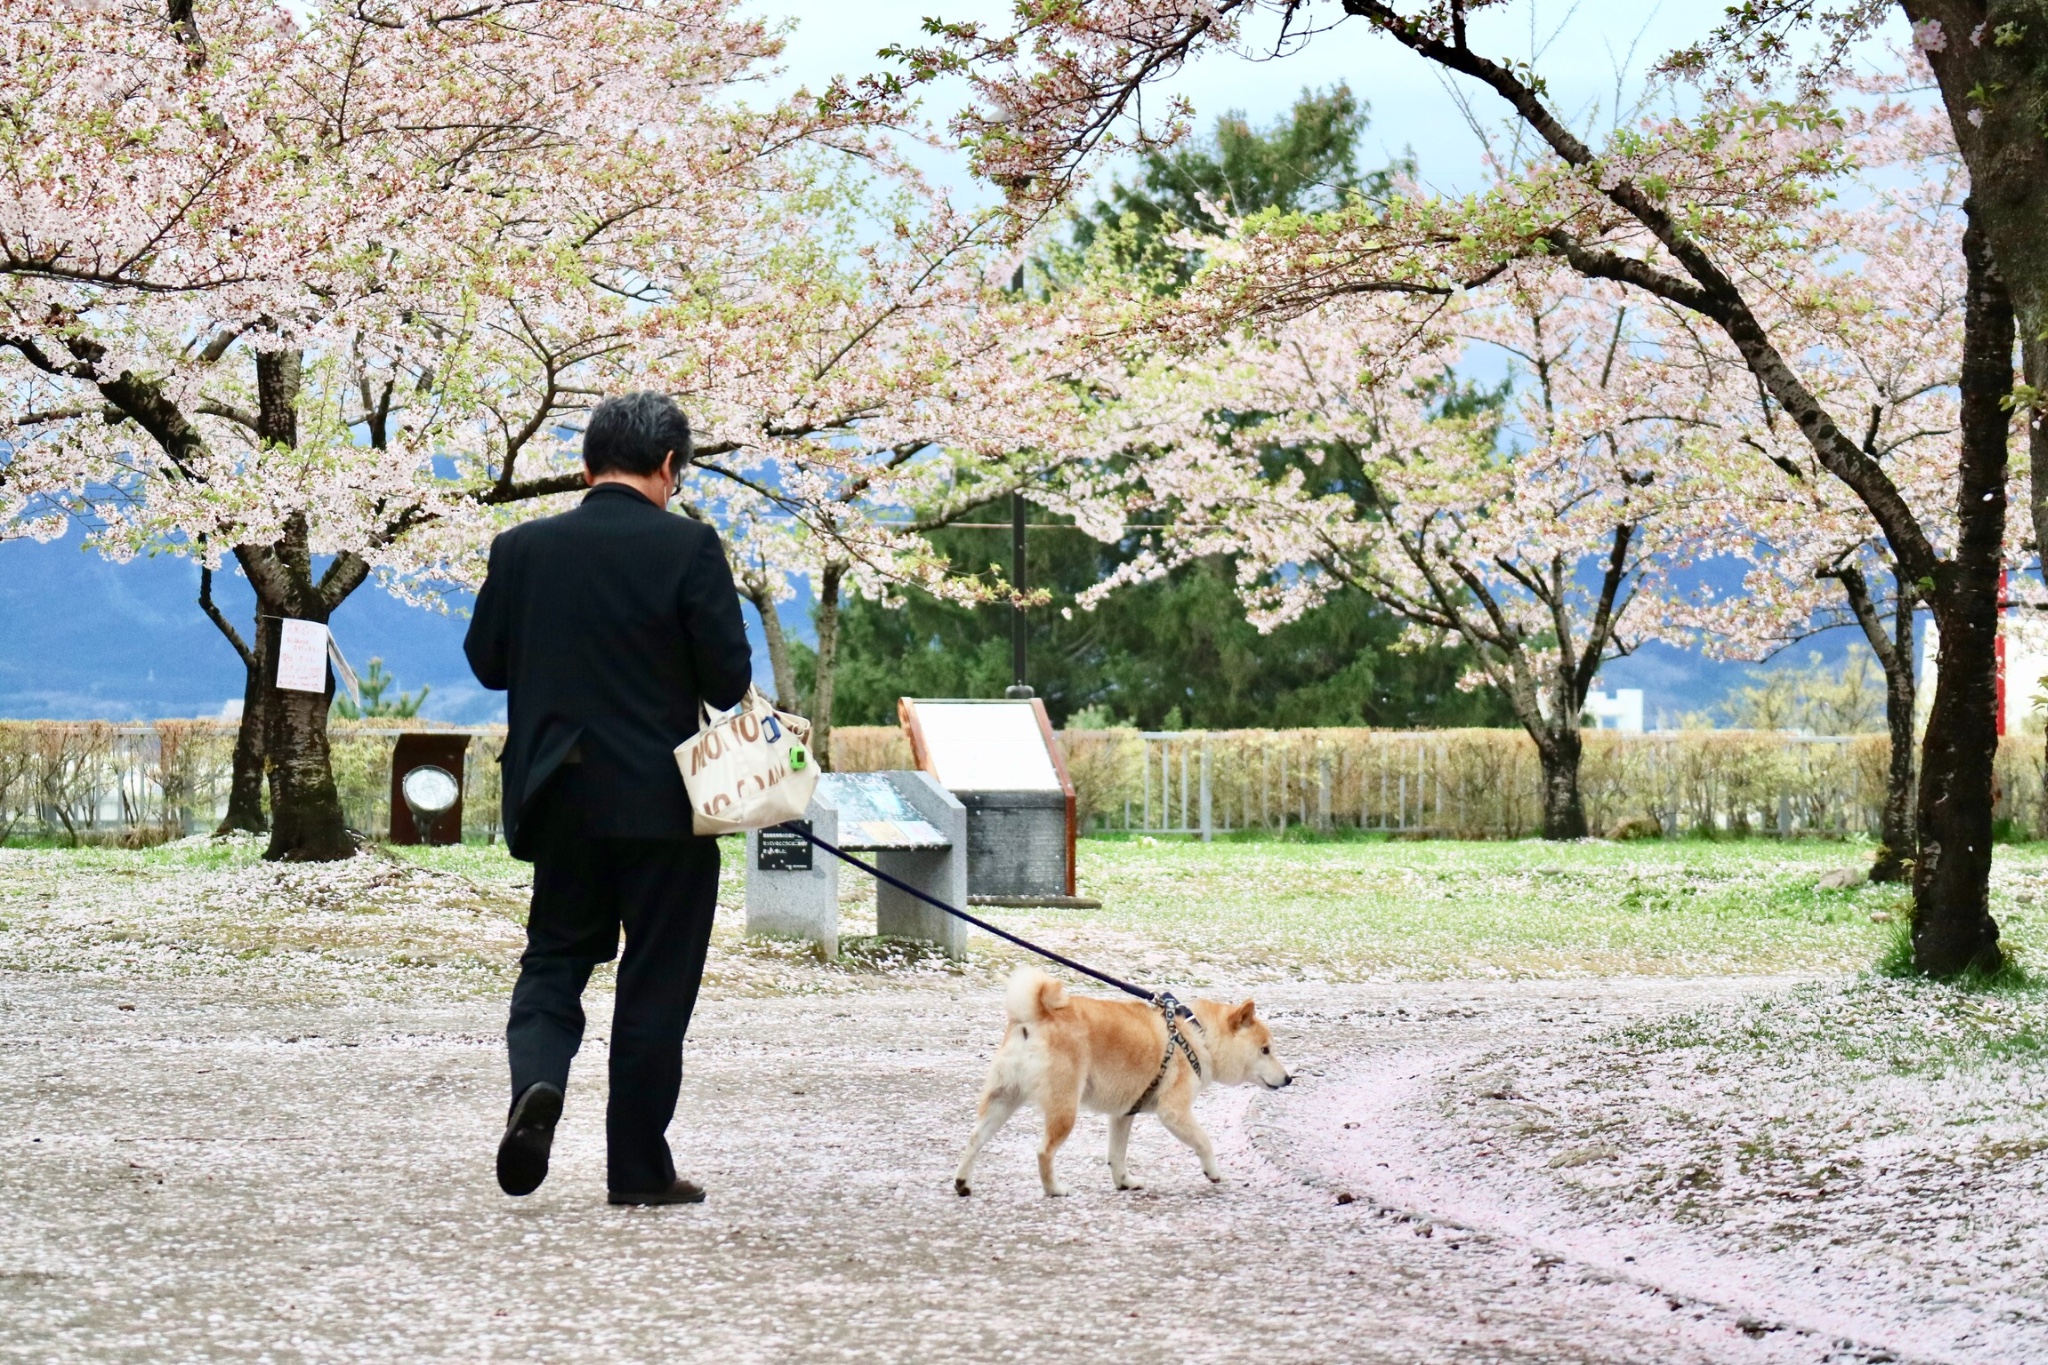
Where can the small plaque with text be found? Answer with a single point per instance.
(783, 850)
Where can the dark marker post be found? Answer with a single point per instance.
(1019, 636)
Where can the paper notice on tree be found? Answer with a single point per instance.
(302, 656)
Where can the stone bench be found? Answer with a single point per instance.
(914, 828)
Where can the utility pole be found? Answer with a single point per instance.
(1020, 640)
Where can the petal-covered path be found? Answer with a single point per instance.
(196, 1175)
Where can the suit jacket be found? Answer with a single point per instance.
(608, 625)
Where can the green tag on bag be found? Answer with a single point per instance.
(797, 758)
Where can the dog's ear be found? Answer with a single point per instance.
(1241, 1017)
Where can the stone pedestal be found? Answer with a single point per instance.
(906, 822)
(940, 872)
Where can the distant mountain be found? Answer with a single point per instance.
(85, 639)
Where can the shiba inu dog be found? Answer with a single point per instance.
(1061, 1052)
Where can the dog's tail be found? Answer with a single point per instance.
(1031, 995)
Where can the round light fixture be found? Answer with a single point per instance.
(430, 793)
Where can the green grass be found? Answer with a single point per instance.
(1351, 909)
(1487, 909)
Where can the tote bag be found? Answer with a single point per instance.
(748, 768)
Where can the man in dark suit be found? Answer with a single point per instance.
(608, 625)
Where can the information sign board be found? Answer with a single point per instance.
(983, 746)
(874, 815)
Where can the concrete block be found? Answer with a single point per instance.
(936, 872)
(799, 905)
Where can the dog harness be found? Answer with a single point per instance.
(1171, 1010)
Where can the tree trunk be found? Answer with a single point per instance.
(245, 788)
(306, 822)
(1952, 926)
(762, 596)
(1894, 652)
(2034, 369)
(1994, 92)
(1564, 810)
(1895, 850)
(306, 817)
(828, 663)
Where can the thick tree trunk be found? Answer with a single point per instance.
(1895, 850)
(306, 817)
(828, 663)
(1564, 810)
(306, 822)
(1994, 92)
(1952, 926)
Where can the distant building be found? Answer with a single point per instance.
(1623, 711)
(2022, 669)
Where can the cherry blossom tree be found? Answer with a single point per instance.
(1337, 449)
(1875, 309)
(330, 298)
(1989, 61)
(1691, 212)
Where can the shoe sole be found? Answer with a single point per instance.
(529, 1134)
(653, 1200)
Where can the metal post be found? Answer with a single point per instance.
(1383, 785)
(1183, 786)
(1440, 761)
(1323, 792)
(1208, 825)
(1019, 632)
(1145, 751)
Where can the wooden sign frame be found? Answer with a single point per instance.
(920, 754)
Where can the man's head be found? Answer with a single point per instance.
(630, 436)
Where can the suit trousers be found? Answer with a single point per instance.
(663, 893)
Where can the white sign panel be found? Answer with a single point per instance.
(302, 656)
(988, 746)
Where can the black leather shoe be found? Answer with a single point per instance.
(529, 1133)
(681, 1192)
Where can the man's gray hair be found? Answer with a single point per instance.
(633, 432)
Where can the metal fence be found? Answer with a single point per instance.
(92, 782)
(1479, 784)
(101, 783)
(1476, 783)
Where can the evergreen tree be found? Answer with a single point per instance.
(1177, 651)
(1160, 655)
(374, 684)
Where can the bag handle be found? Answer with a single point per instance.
(754, 700)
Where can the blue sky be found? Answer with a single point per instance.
(81, 637)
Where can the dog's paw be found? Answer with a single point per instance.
(1129, 1185)
(960, 1187)
(1215, 1177)
(1055, 1191)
